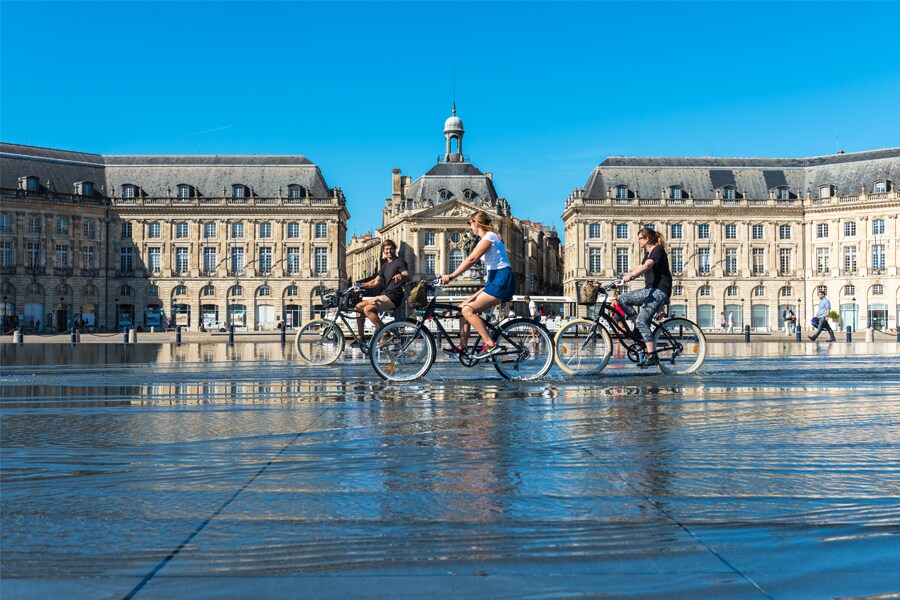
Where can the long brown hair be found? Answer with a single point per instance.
(653, 236)
(482, 219)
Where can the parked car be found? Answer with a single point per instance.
(216, 326)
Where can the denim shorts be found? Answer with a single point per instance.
(501, 284)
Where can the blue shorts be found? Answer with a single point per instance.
(501, 284)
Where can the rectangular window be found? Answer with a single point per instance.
(729, 193)
(703, 261)
(88, 258)
(321, 260)
(430, 238)
(209, 260)
(237, 229)
(785, 261)
(6, 223)
(184, 191)
(759, 261)
(784, 232)
(321, 230)
(126, 260)
(880, 187)
(676, 231)
(677, 261)
(822, 261)
(5, 254)
(128, 191)
(154, 260)
(878, 227)
(237, 259)
(850, 259)
(850, 228)
(265, 259)
(62, 226)
(62, 256)
(181, 260)
(595, 261)
(622, 231)
(89, 228)
(878, 257)
(32, 255)
(784, 194)
(703, 231)
(622, 260)
(293, 230)
(238, 191)
(757, 232)
(293, 260)
(294, 192)
(154, 230)
(34, 224)
(676, 193)
(126, 231)
(430, 265)
(731, 231)
(622, 193)
(209, 230)
(181, 229)
(822, 230)
(265, 230)
(731, 260)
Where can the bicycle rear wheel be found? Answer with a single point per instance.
(680, 346)
(402, 351)
(583, 347)
(319, 342)
(527, 351)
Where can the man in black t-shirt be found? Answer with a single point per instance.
(393, 273)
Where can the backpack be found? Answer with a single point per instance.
(418, 296)
(589, 292)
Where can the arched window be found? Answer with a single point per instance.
(704, 290)
(295, 191)
(678, 290)
(759, 290)
(263, 291)
(456, 259)
(185, 190)
(594, 230)
(63, 289)
(787, 291)
(877, 290)
(880, 186)
(731, 290)
(208, 290)
(823, 289)
(179, 290)
(90, 290)
(621, 192)
(236, 290)
(291, 290)
(826, 191)
(238, 190)
(849, 290)
(153, 291)
(125, 290)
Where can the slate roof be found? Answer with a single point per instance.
(456, 177)
(60, 167)
(752, 176)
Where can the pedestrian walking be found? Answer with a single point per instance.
(723, 322)
(729, 328)
(820, 321)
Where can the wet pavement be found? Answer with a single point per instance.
(215, 471)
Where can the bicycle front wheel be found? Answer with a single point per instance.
(319, 342)
(680, 346)
(527, 351)
(583, 347)
(402, 351)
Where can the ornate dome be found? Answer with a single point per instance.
(454, 124)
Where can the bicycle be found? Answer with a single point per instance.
(321, 341)
(406, 350)
(584, 347)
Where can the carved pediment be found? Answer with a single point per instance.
(453, 209)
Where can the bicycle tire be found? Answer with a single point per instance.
(680, 346)
(408, 355)
(583, 347)
(319, 342)
(534, 357)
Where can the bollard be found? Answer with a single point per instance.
(231, 335)
(870, 334)
(898, 335)
(132, 335)
(746, 334)
(798, 333)
(125, 336)
(74, 337)
(19, 336)
(178, 335)
(283, 335)
(849, 334)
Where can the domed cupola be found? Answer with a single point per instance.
(453, 130)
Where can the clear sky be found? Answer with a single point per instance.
(546, 90)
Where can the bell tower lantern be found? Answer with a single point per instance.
(453, 130)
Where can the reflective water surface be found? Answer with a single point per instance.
(156, 471)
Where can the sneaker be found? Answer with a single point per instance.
(649, 360)
(454, 351)
(811, 338)
(387, 340)
(487, 351)
(833, 340)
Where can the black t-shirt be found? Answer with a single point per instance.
(659, 277)
(393, 289)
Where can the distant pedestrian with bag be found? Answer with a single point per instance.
(787, 317)
(820, 321)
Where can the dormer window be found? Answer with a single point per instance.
(783, 193)
(238, 190)
(621, 192)
(881, 186)
(826, 191)
(675, 192)
(445, 194)
(184, 190)
(728, 192)
(129, 190)
(30, 183)
(84, 188)
(295, 191)
(469, 194)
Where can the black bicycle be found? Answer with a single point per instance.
(584, 347)
(321, 341)
(406, 350)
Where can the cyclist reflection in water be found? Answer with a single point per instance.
(658, 279)
(501, 285)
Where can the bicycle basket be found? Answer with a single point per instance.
(351, 299)
(418, 295)
(330, 299)
(588, 292)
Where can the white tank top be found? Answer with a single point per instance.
(496, 257)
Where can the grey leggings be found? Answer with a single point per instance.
(650, 300)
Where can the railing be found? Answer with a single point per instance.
(579, 199)
(62, 271)
(54, 196)
(336, 200)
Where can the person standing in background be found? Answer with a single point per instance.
(822, 316)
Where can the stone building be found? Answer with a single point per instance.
(428, 219)
(141, 240)
(748, 236)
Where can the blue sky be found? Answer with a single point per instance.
(546, 90)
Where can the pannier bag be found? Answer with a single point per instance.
(418, 296)
(589, 292)
(330, 299)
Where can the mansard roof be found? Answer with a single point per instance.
(61, 168)
(751, 176)
(455, 177)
